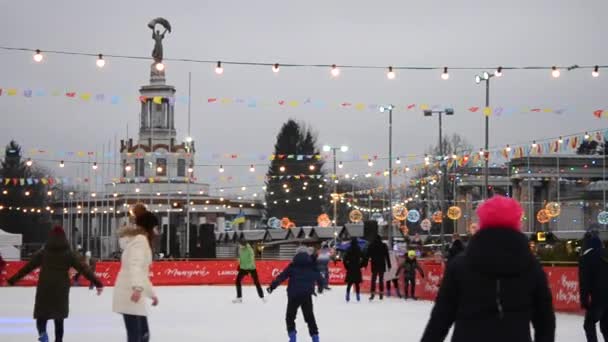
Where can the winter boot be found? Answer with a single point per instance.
(315, 338)
(381, 296)
(372, 297)
(358, 297)
(43, 338)
(388, 293)
(292, 336)
(399, 293)
(347, 297)
(237, 301)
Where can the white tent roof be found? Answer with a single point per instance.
(8, 239)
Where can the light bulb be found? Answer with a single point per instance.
(561, 140)
(221, 168)
(481, 152)
(445, 75)
(61, 164)
(534, 144)
(94, 166)
(335, 72)
(370, 163)
(596, 71)
(160, 66)
(38, 57)
(282, 169)
(159, 169)
(498, 72)
(100, 61)
(340, 165)
(311, 167)
(219, 69)
(508, 148)
(275, 68)
(390, 74)
(244, 188)
(398, 161)
(190, 169)
(587, 136)
(555, 72)
(29, 162)
(128, 168)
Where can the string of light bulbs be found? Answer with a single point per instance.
(335, 69)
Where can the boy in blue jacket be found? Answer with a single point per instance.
(303, 275)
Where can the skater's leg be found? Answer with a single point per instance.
(406, 287)
(589, 326)
(348, 287)
(309, 316)
(326, 278)
(413, 288)
(290, 315)
(145, 329)
(396, 283)
(358, 291)
(132, 325)
(388, 288)
(58, 330)
(381, 284)
(41, 326)
(373, 286)
(239, 279)
(256, 281)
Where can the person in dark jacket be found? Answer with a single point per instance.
(303, 275)
(2, 267)
(496, 289)
(377, 251)
(456, 248)
(53, 289)
(409, 267)
(353, 262)
(593, 281)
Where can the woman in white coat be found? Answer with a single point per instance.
(133, 280)
(391, 276)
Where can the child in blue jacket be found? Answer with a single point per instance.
(303, 274)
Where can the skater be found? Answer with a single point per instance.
(89, 262)
(353, 262)
(593, 280)
(133, 281)
(53, 289)
(303, 275)
(323, 259)
(377, 251)
(246, 266)
(390, 276)
(497, 288)
(409, 267)
(456, 248)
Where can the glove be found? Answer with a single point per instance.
(269, 289)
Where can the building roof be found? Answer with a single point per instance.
(352, 230)
(252, 235)
(278, 234)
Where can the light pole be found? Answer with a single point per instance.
(334, 150)
(383, 109)
(486, 76)
(442, 162)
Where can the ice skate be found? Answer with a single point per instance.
(43, 338)
(264, 300)
(347, 297)
(358, 297)
(371, 298)
(381, 296)
(315, 338)
(292, 336)
(237, 301)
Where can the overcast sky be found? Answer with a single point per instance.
(417, 33)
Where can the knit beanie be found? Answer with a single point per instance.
(57, 231)
(500, 212)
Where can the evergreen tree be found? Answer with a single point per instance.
(298, 192)
(27, 196)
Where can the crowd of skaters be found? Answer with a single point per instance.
(494, 289)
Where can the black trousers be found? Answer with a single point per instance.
(592, 316)
(395, 283)
(256, 281)
(411, 283)
(377, 276)
(357, 288)
(137, 328)
(293, 304)
(41, 326)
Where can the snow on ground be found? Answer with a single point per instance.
(205, 313)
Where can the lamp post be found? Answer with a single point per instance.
(334, 150)
(383, 109)
(443, 171)
(486, 76)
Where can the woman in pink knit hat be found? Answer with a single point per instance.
(496, 289)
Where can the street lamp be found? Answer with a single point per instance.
(443, 172)
(486, 76)
(334, 150)
(389, 108)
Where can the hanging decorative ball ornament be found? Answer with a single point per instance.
(355, 216)
(454, 213)
(426, 225)
(413, 216)
(377, 217)
(274, 223)
(291, 225)
(400, 212)
(437, 216)
(323, 220)
(285, 221)
(553, 209)
(602, 217)
(543, 216)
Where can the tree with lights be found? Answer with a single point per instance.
(295, 182)
(20, 195)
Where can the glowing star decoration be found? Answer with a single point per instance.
(274, 223)
(323, 220)
(437, 216)
(602, 217)
(454, 213)
(285, 222)
(553, 209)
(426, 225)
(400, 212)
(355, 216)
(413, 216)
(543, 216)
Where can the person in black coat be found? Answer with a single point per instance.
(353, 262)
(456, 248)
(377, 251)
(53, 289)
(303, 274)
(496, 289)
(593, 282)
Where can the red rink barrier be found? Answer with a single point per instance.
(563, 280)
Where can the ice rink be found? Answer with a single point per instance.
(205, 313)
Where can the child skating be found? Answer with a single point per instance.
(409, 267)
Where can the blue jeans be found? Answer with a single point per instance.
(137, 328)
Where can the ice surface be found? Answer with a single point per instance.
(205, 313)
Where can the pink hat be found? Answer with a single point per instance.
(500, 212)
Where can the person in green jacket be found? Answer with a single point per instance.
(246, 266)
